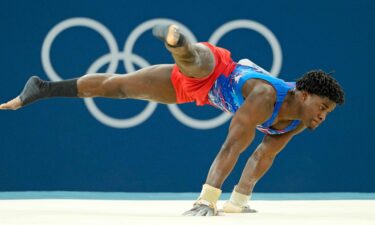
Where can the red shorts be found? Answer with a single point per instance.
(189, 89)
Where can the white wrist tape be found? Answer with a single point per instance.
(238, 198)
(210, 194)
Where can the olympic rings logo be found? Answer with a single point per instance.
(129, 58)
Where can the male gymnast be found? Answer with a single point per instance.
(206, 74)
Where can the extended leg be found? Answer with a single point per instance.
(193, 60)
(151, 83)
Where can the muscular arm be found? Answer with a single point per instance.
(257, 107)
(262, 158)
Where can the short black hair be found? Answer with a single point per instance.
(322, 84)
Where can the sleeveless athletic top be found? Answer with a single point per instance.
(226, 94)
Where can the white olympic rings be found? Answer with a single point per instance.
(129, 59)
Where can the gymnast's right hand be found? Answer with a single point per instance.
(202, 208)
(13, 104)
(206, 203)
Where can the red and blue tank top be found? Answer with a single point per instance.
(226, 94)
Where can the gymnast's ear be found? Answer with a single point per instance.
(305, 95)
(301, 95)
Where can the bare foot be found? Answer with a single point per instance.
(173, 35)
(12, 104)
(170, 34)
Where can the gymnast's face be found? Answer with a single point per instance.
(315, 109)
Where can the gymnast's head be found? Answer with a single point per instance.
(318, 95)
